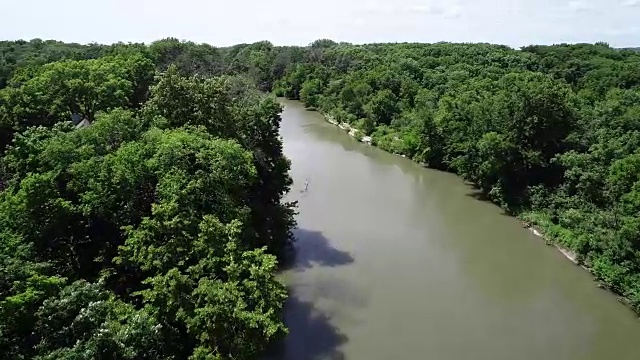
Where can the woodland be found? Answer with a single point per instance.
(156, 231)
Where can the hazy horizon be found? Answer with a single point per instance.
(515, 23)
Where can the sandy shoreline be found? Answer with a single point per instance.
(564, 251)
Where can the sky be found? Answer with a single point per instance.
(297, 22)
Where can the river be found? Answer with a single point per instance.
(395, 261)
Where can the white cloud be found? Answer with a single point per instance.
(283, 22)
(453, 11)
(630, 3)
(377, 7)
(359, 22)
(579, 5)
(244, 21)
(419, 8)
(631, 30)
(429, 9)
(447, 9)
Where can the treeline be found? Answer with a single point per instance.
(150, 233)
(551, 133)
(262, 62)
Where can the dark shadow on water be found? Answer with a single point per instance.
(311, 335)
(481, 196)
(477, 193)
(313, 248)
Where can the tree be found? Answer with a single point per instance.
(253, 122)
(143, 235)
(310, 92)
(86, 320)
(382, 107)
(549, 132)
(83, 88)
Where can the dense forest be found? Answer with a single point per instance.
(550, 133)
(155, 232)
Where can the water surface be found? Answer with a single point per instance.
(399, 262)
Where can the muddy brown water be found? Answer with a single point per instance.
(394, 261)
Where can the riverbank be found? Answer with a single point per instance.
(555, 235)
(466, 269)
(353, 132)
(530, 221)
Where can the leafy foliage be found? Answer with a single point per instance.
(57, 91)
(147, 234)
(548, 132)
(152, 233)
